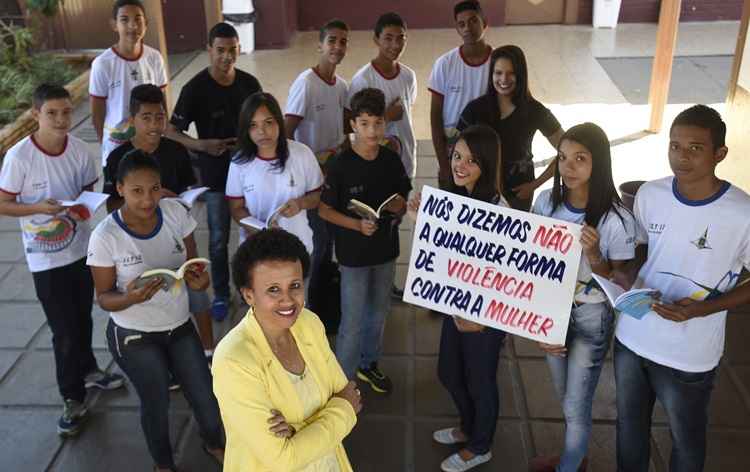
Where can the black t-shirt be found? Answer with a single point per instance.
(516, 133)
(348, 176)
(215, 110)
(174, 161)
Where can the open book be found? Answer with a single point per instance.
(89, 200)
(636, 303)
(365, 211)
(170, 277)
(271, 221)
(188, 197)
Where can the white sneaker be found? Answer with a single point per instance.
(445, 436)
(454, 463)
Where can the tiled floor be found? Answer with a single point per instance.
(394, 431)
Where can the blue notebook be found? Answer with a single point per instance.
(636, 303)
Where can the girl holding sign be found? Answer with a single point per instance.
(584, 193)
(469, 352)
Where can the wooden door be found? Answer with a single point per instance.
(526, 12)
(184, 25)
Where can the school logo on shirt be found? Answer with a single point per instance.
(131, 260)
(49, 235)
(656, 228)
(702, 242)
(320, 107)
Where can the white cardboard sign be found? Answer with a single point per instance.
(493, 265)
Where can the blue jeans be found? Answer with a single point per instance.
(147, 359)
(576, 376)
(467, 368)
(219, 225)
(365, 302)
(684, 396)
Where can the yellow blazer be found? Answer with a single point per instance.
(249, 381)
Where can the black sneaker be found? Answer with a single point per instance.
(377, 380)
(174, 384)
(397, 293)
(104, 381)
(74, 413)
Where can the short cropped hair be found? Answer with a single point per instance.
(145, 93)
(370, 101)
(467, 5)
(388, 19)
(134, 160)
(332, 24)
(46, 92)
(265, 246)
(706, 118)
(221, 30)
(123, 3)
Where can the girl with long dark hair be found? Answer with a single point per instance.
(509, 108)
(584, 193)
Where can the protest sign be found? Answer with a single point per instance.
(493, 265)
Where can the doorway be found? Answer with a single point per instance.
(534, 12)
(184, 25)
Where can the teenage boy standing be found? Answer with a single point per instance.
(458, 77)
(48, 166)
(694, 240)
(117, 71)
(212, 100)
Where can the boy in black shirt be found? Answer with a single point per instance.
(212, 100)
(149, 116)
(366, 249)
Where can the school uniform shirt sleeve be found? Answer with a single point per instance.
(234, 182)
(160, 72)
(331, 185)
(12, 174)
(99, 79)
(187, 223)
(185, 174)
(620, 237)
(544, 120)
(358, 83)
(641, 235)
(436, 82)
(100, 252)
(540, 204)
(182, 115)
(413, 88)
(311, 169)
(296, 103)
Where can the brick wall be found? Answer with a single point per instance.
(645, 11)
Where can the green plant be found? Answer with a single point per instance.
(45, 7)
(15, 42)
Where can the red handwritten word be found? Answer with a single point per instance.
(554, 238)
(516, 318)
(488, 277)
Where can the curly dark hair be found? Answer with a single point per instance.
(267, 245)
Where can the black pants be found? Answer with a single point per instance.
(147, 358)
(67, 295)
(467, 367)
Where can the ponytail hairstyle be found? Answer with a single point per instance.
(603, 195)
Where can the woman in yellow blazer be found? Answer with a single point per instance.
(285, 402)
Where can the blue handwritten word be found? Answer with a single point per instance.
(492, 222)
(438, 207)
